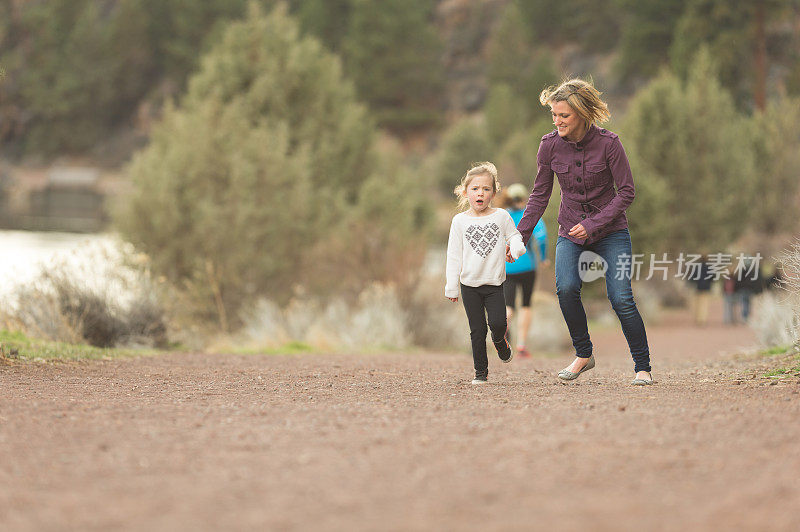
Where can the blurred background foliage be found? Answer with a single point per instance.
(276, 146)
(268, 175)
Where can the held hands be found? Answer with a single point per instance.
(509, 257)
(578, 231)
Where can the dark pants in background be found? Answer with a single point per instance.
(484, 304)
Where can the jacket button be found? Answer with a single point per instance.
(579, 180)
(578, 163)
(583, 216)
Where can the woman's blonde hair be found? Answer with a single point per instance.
(581, 96)
(484, 168)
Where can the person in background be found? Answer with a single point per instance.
(730, 298)
(522, 272)
(748, 284)
(702, 279)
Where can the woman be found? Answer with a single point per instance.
(589, 162)
(522, 272)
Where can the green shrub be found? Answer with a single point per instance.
(392, 53)
(514, 58)
(76, 70)
(505, 113)
(775, 135)
(266, 179)
(462, 143)
(690, 137)
(516, 158)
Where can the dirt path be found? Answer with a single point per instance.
(402, 442)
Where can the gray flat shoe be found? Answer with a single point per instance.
(568, 375)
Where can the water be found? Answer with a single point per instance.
(24, 253)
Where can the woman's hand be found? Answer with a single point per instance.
(578, 231)
(453, 299)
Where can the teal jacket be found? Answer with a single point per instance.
(528, 261)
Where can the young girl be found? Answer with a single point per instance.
(481, 238)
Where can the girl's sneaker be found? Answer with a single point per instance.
(504, 350)
(480, 378)
(522, 352)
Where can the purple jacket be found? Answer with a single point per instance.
(587, 172)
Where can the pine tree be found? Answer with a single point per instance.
(464, 142)
(252, 167)
(267, 176)
(514, 60)
(775, 136)
(647, 35)
(276, 74)
(516, 157)
(78, 69)
(737, 35)
(690, 136)
(211, 201)
(393, 55)
(505, 113)
(181, 32)
(592, 25)
(384, 235)
(327, 20)
(724, 27)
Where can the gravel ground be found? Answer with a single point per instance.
(403, 441)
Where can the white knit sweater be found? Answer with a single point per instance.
(476, 250)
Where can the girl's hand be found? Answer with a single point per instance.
(509, 258)
(578, 231)
(453, 299)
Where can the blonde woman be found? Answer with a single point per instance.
(596, 189)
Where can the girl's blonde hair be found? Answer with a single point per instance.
(581, 96)
(484, 168)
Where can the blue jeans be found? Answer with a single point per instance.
(618, 287)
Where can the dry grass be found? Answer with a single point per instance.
(99, 295)
(383, 318)
(790, 260)
(775, 319)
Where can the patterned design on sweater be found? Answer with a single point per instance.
(483, 238)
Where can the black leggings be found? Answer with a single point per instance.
(525, 281)
(481, 302)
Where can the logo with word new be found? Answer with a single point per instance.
(591, 266)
